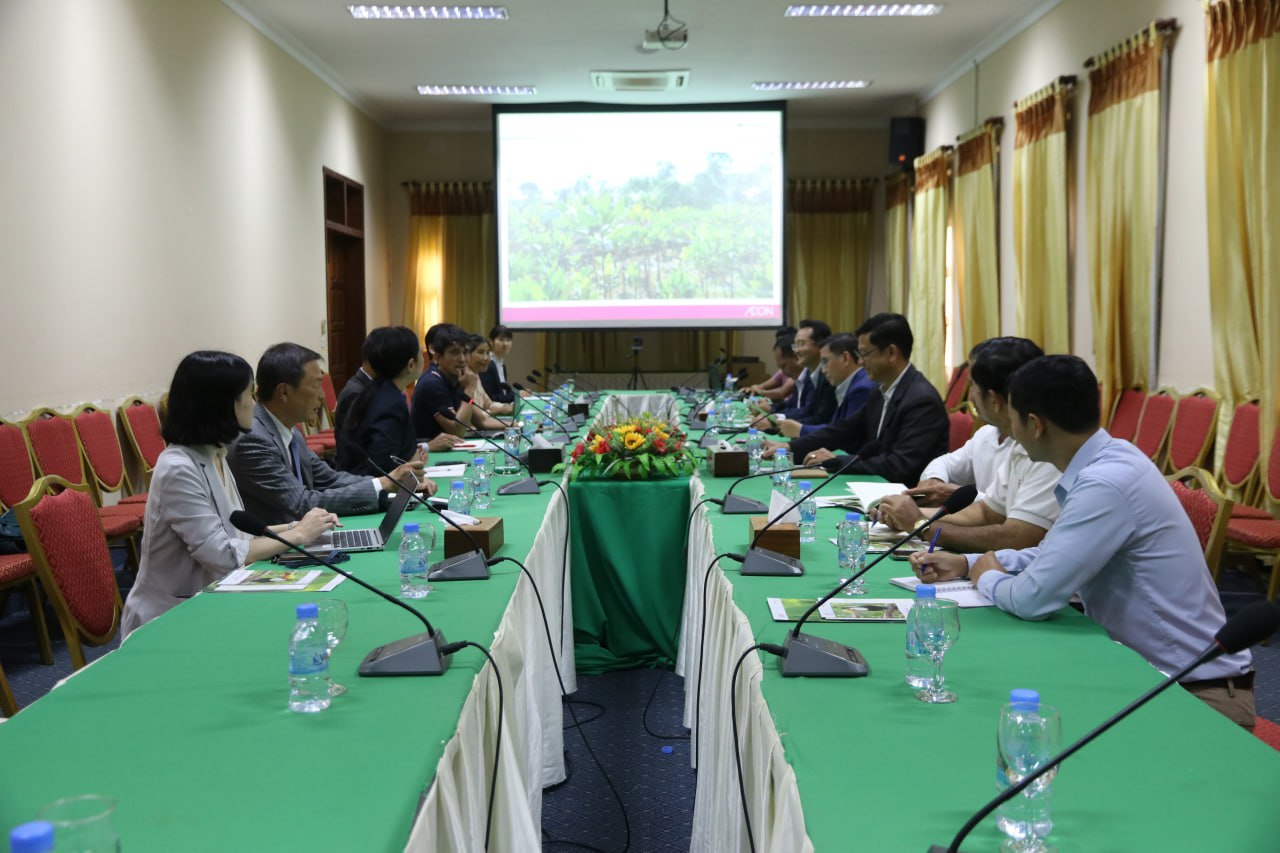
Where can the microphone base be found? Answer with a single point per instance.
(736, 505)
(816, 657)
(470, 566)
(938, 848)
(706, 442)
(762, 561)
(416, 655)
(523, 486)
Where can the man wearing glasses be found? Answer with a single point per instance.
(904, 422)
(814, 399)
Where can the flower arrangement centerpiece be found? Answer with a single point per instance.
(639, 448)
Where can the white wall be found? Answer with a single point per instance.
(1057, 44)
(161, 171)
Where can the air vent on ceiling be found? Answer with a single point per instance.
(641, 81)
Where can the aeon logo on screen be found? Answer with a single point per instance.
(759, 311)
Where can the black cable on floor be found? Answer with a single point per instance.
(644, 718)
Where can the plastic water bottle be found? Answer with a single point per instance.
(33, 837)
(481, 498)
(527, 426)
(851, 550)
(919, 666)
(414, 551)
(808, 512)
(1029, 734)
(781, 464)
(511, 443)
(459, 500)
(308, 664)
(755, 447)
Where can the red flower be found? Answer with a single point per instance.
(660, 445)
(602, 448)
(577, 451)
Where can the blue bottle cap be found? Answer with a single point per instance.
(411, 527)
(752, 431)
(780, 453)
(479, 460)
(806, 485)
(33, 837)
(926, 590)
(459, 484)
(853, 516)
(308, 610)
(1027, 700)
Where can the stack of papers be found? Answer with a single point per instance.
(870, 494)
(842, 609)
(279, 580)
(962, 592)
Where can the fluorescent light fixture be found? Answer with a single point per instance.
(865, 10)
(458, 89)
(808, 85)
(428, 13)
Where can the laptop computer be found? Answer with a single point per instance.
(355, 541)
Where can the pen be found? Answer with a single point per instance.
(937, 531)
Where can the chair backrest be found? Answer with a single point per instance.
(54, 447)
(958, 387)
(1240, 457)
(141, 425)
(1195, 420)
(65, 538)
(1126, 412)
(1272, 479)
(101, 448)
(1207, 508)
(330, 396)
(16, 470)
(1153, 426)
(961, 427)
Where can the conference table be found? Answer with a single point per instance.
(186, 725)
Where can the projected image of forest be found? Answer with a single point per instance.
(653, 237)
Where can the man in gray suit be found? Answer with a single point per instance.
(279, 477)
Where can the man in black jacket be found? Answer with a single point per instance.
(904, 422)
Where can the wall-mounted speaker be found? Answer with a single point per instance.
(906, 140)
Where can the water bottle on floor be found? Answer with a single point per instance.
(919, 666)
(308, 663)
(808, 512)
(414, 552)
(851, 551)
(1029, 734)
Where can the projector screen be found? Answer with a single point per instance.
(613, 218)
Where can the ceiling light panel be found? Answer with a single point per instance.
(808, 85)
(460, 89)
(428, 13)
(865, 10)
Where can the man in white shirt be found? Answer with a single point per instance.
(1017, 506)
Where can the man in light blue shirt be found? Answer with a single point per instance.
(1122, 541)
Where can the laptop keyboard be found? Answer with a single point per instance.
(350, 539)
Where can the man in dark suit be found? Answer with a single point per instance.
(852, 386)
(904, 419)
(278, 477)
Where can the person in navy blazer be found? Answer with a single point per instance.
(852, 386)
(377, 428)
(903, 424)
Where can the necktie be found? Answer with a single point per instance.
(293, 456)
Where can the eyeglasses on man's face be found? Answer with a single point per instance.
(862, 356)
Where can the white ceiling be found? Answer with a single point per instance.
(554, 44)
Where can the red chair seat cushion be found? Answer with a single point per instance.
(116, 525)
(134, 499)
(15, 567)
(1260, 533)
(1246, 511)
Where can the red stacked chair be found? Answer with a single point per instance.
(323, 441)
(141, 425)
(60, 524)
(958, 389)
(1153, 426)
(1126, 413)
(962, 423)
(1208, 509)
(1260, 537)
(103, 455)
(1240, 460)
(1195, 420)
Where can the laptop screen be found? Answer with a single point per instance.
(394, 511)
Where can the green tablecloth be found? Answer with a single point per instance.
(628, 571)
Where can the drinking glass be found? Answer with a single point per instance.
(1026, 740)
(490, 461)
(332, 616)
(84, 824)
(511, 441)
(937, 628)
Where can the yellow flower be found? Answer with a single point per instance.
(660, 435)
(633, 440)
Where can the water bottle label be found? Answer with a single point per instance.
(301, 664)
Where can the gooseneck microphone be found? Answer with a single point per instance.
(525, 485)
(470, 566)
(807, 655)
(1250, 626)
(421, 654)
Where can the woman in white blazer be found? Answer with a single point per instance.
(188, 541)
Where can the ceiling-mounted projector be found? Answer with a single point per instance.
(670, 38)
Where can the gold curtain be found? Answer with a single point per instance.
(829, 250)
(926, 298)
(1242, 153)
(1122, 169)
(897, 197)
(1041, 220)
(451, 250)
(977, 260)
